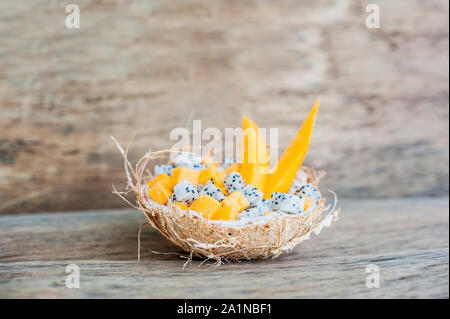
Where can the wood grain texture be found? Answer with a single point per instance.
(407, 239)
(151, 66)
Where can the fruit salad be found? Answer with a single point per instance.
(244, 190)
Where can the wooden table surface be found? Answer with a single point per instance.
(408, 239)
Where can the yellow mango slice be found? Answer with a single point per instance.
(159, 193)
(308, 202)
(255, 160)
(268, 213)
(281, 179)
(236, 200)
(205, 205)
(182, 206)
(235, 167)
(162, 178)
(212, 173)
(225, 213)
(181, 173)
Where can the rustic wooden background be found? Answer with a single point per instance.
(150, 66)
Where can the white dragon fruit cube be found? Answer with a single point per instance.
(213, 191)
(263, 205)
(234, 182)
(310, 191)
(159, 169)
(196, 166)
(189, 160)
(249, 213)
(301, 177)
(276, 199)
(186, 157)
(292, 204)
(296, 187)
(185, 192)
(252, 194)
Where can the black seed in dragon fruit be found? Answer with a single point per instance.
(234, 182)
(252, 194)
(159, 169)
(296, 187)
(292, 204)
(197, 167)
(185, 192)
(213, 191)
(310, 191)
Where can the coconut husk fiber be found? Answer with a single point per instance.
(231, 240)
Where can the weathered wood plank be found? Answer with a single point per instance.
(411, 275)
(407, 239)
(151, 66)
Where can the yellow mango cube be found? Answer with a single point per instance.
(183, 173)
(159, 193)
(206, 160)
(236, 200)
(205, 205)
(222, 174)
(163, 179)
(182, 206)
(225, 213)
(308, 202)
(211, 173)
(235, 167)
